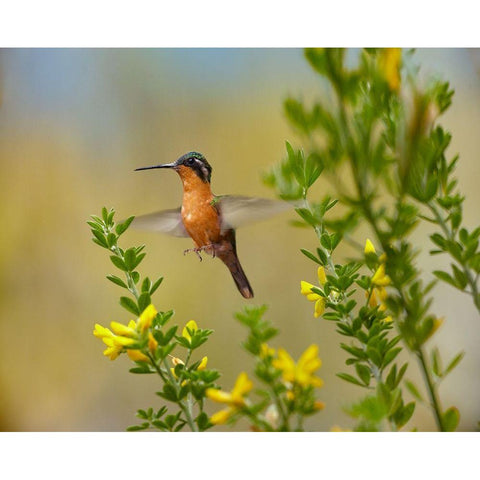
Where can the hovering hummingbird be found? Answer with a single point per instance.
(208, 219)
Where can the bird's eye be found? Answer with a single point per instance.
(189, 161)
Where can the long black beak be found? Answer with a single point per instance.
(165, 165)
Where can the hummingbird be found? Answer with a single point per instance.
(209, 220)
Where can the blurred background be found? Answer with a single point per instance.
(74, 124)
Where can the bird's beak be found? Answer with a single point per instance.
(164, 165)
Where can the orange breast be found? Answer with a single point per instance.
(199, 216)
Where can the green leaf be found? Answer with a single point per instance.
(144, 301)
(105, 215)
(130, 258)
(363, 372)
(456, 360)
(403, 415)
(117, 281)
(146, 284)
(413, 390)
(121, 227)
(111, 239)
(460, 277)
(311, 256)
(444, 276)
(450, 419)
(350, 378)
(136, 428)
(138, 260)
(118, 262)
(156, 285)
(135, 277)
(390, 355)
(102, 241)
(128, 304)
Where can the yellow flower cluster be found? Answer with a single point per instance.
(303, 372)
(234, 399)
(380, 280)
(121, 337)
(306, 289)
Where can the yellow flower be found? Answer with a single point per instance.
(322, 278)
(389, 63)
(203, 364)
(146, 318)
(266, 351)
(234, 399)
(369, 248)
(137, 356)
(221, 417)
(152, 343)
(379, 278)
(306, 289)
(123, 330)
(318, 405)
(192, 326)
(319, 307)
(302, 372)
(122, 336)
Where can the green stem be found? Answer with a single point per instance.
(186, 409)
(431, 391)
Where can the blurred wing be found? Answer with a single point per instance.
(237, 211)
(166, 221)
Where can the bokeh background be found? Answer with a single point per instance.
(74, 124)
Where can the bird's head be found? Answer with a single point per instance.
(188, 164)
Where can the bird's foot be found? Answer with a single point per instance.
(205, 248)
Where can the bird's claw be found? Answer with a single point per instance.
(197, 250)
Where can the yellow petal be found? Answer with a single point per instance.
(369, 248)
(101, 332)
(242, 385)
(382, 293)
(322, 278)
(319, 307)
(218, 395)
(309, 362)
(203, 364)
(120, 329)
(122, 341)
(152, 343)
(318, 405)
(379, 278)
(389, 63)
(192, 326)
(285, 364)
(146, 318)
(221, 417)
(266, 351)
(137, 356)
(112, 352)
(388, 319)
(132, 324)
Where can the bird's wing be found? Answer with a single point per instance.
(237, 211)
(165, 221)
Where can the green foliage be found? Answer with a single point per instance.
(150, 342)
(287, 392)
(385, 159)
